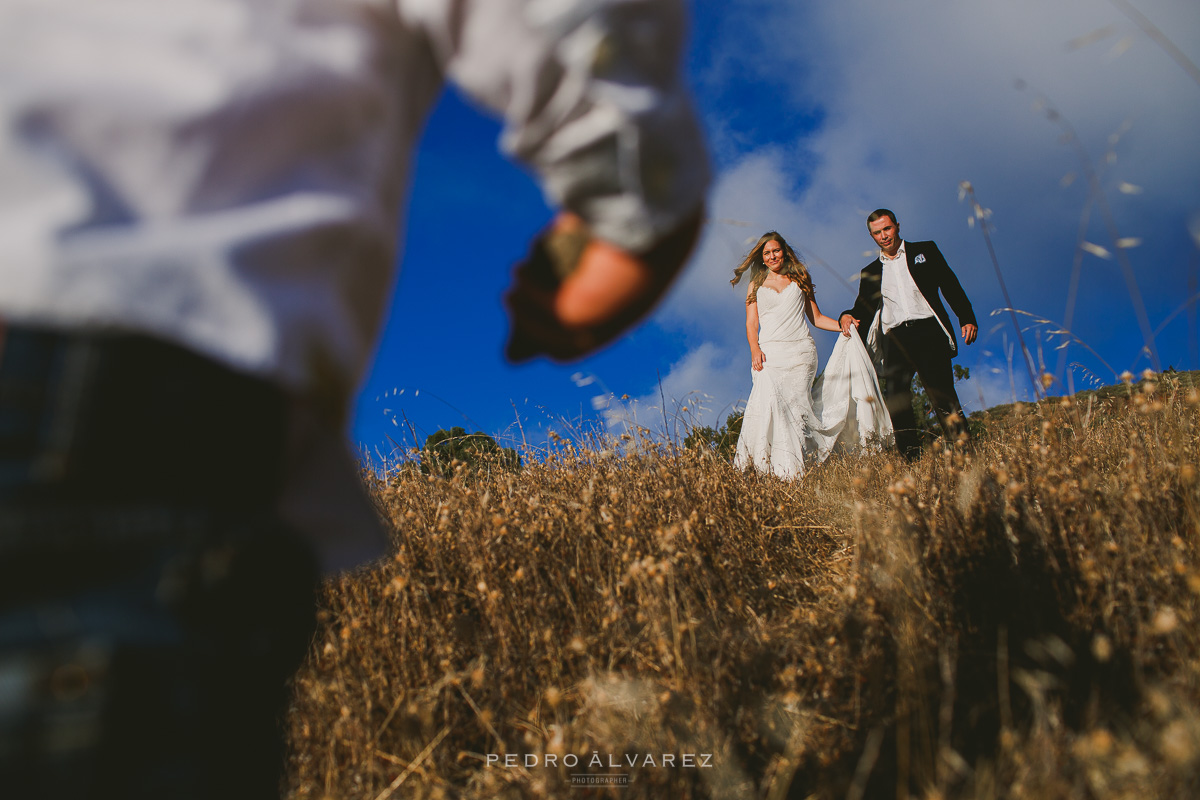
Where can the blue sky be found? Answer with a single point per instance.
(815, 116)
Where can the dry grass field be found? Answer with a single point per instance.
(1017, 622)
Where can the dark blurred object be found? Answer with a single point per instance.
(152, 605)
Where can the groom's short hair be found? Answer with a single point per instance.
(879, 213)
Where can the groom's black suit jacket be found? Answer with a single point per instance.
(931, 274)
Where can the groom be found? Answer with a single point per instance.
(918, 338)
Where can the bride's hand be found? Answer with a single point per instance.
(757, 359)
(847, 322)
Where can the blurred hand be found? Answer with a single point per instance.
(757, 359)
(969, 332)
(575, 293)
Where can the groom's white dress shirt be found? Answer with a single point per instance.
(229, 175)
(902, 300)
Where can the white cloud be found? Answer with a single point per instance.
(677, 405)
(918, 97)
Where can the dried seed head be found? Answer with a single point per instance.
(1165, 621)
(1101, 742)
(1178, 743)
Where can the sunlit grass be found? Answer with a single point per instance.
(1018, 621)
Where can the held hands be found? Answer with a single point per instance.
(969, 332)
(847, 322)
(575, 293)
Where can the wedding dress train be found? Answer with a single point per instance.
(793, 419)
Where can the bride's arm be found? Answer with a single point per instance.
(818, 319)
(756, 354)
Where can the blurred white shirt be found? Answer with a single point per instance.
(230, 175)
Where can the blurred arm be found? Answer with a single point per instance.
(593, 99)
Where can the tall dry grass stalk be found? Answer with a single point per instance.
(1019, 621)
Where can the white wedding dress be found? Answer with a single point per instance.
(793, 419)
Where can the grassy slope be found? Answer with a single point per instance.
(1020, 622)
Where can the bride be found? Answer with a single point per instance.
(794, 419)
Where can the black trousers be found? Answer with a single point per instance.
(152, 606)
(920, 348)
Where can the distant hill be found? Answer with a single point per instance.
(1094, 398)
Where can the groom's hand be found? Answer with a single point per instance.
(969, 332)
(847, 322)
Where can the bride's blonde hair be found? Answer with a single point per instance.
(793, 268)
